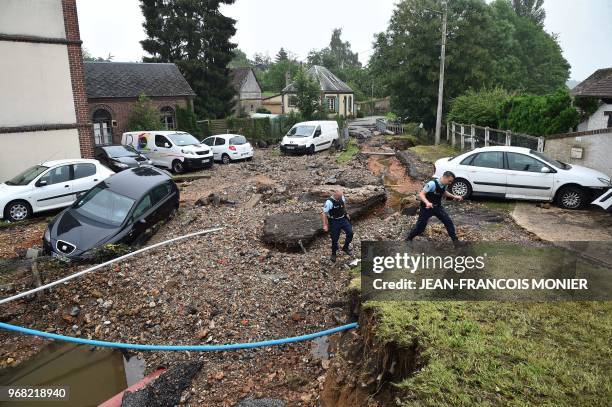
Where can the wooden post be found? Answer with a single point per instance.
(473, 133)
(540, 144)
(447, 132)
(508, 138)
(487, 136)
(453, 133)
(462, 138)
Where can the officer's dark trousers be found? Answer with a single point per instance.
(337, 225)
(425, 214)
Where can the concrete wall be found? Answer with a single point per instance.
(598, 120)
(597, 149)
(36, 85)
(250, 88)
(274, 104)
(22, 150)
(342, 100)
(40, 18)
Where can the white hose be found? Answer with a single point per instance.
(99, 266)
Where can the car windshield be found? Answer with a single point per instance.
(550, 161)
(301, 131)
(27, 176)
(120, 151)
(105, 206)
(183, 139)
(238, 141)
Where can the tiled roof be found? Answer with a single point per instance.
(597, 85)
(328, 82)
(130, 79)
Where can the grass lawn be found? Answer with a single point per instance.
(433, 153)
(352, 149)
(502, 353)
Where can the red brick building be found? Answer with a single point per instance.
(113, 89)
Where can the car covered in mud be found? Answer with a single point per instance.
(124, 209)
(521, 173)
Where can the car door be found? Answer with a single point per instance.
(210, 142)
(53, 189)
(85, 177)
(162, 151)
(526, 179)
(318, 138)
(486, 173)
(219, 147)
(100, 155)
(140, 221)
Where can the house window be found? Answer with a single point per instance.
(292, 100)
(167, 117)
(331, 104)
(102, 127)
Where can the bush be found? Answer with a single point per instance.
(186, 120)
(263, 110)
(478, 107)
(539, 115)
(144, 116)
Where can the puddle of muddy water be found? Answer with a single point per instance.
(92, 375)
(399, 186)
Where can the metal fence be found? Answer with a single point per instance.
(470, 136)
(383, 125)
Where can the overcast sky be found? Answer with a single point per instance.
(115, 27)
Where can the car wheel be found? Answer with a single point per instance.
(177, 167)
(17, 210)
(462, 188)
(311, 149)
(225, 159)
(571, 198)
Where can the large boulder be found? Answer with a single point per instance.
(293, 230)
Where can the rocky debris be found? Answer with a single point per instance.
(293, 230)
(214, 200)
(415, 168)
(360, 133)
(166, 390)
(250, 402)
(253, 201)
(353, 178)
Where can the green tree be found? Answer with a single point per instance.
(282, 55)
(186, 120)
(273, 79)
(307, 98)
(539, 115)
(337, 56)
(487, 46)
(240, 60)
(478, 107)
(533, 9)
(144, 116)
(195, 36)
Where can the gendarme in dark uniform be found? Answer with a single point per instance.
(336, 220)
(431, 205)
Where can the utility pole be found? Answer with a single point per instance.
(441, 84)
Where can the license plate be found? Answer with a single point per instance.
(289, 147)
(243, 154)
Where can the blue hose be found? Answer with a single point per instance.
(174, 348)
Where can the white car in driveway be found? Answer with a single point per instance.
(229, 147)
(49, 185)
(521, 173)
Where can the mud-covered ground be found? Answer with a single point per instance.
(228, 287)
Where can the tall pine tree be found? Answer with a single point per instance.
(195, 36)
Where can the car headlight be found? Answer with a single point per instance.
(605, 181)
(47, 235)
(121, 165)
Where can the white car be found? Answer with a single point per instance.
(229, 147)
(521, 173)
(309, 137)
(50, 185)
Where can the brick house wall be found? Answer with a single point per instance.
(77, 76)
(121, 109)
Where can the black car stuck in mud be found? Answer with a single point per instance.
(123, 209)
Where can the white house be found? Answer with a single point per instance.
(597, 86)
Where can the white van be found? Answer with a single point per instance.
(176, 150)
(308, 137)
